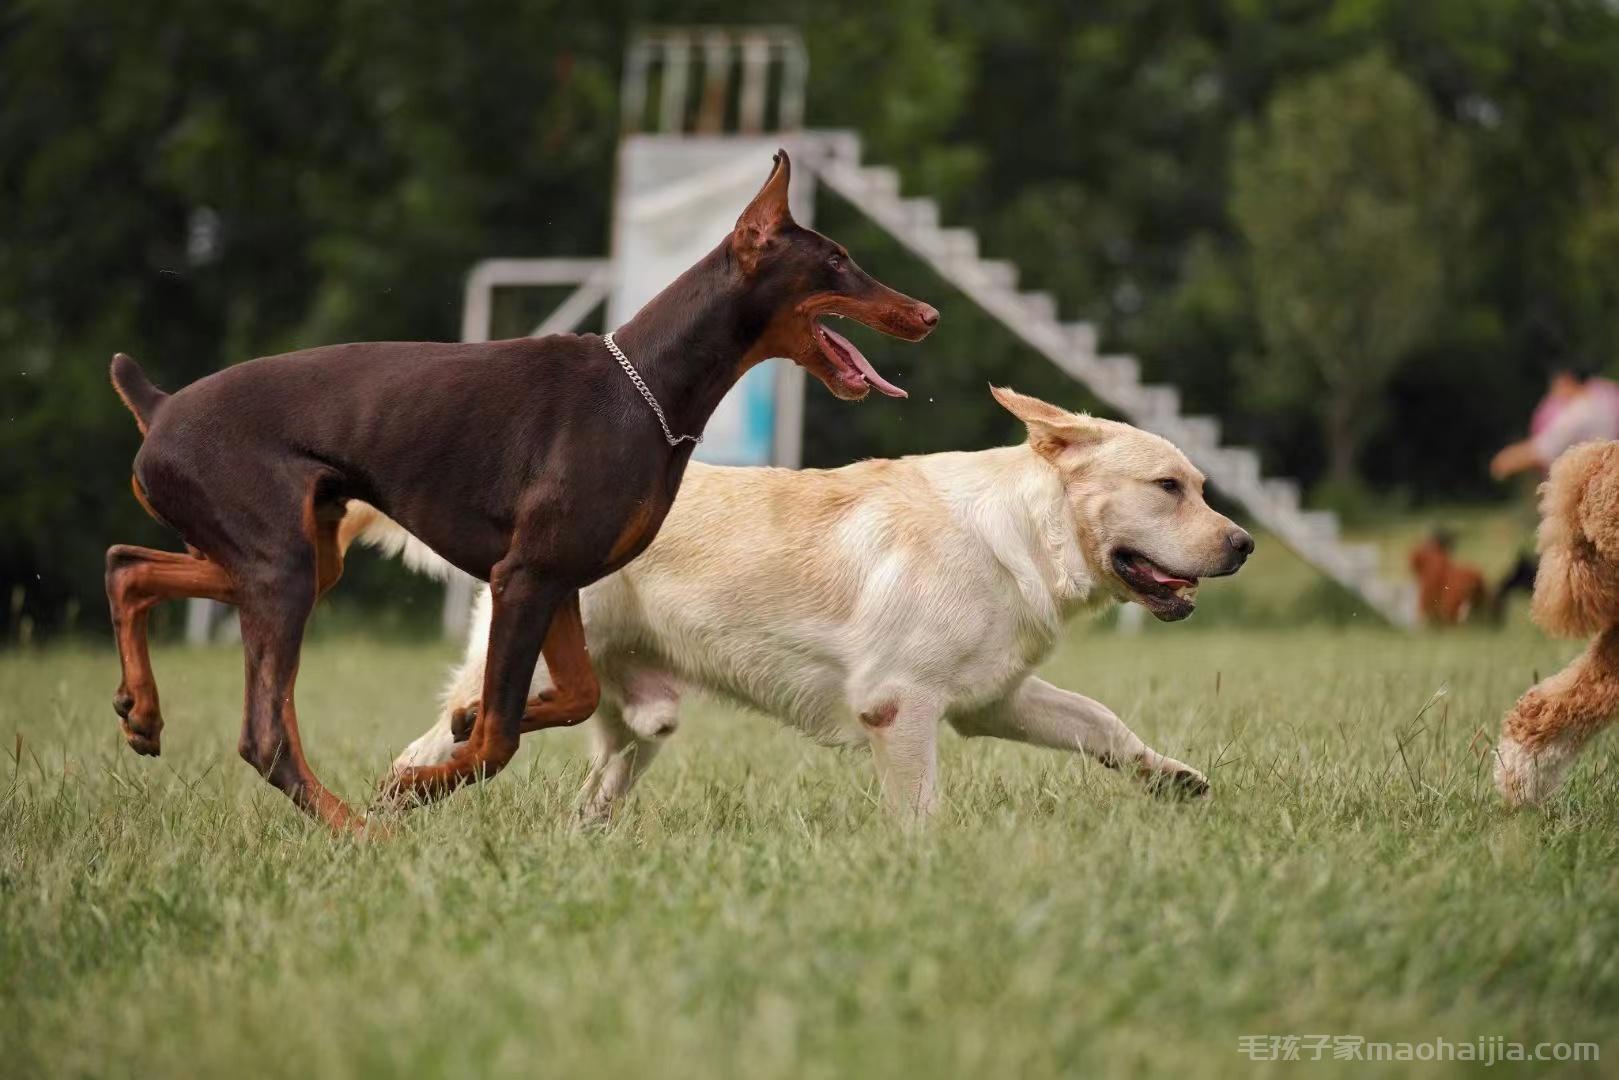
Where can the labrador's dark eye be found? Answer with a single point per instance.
(1169, 484)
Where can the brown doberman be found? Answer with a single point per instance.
(537, 464)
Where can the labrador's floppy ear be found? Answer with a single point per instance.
(1056, 434)
(764, 216)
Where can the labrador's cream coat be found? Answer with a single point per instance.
(872, 603)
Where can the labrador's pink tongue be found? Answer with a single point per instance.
(860, 361)
(1165, 579)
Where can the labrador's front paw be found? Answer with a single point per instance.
(1176, 780)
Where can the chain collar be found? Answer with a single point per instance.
(640, 384)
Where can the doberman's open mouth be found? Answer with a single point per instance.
(850, 365)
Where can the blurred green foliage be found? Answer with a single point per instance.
(1350, 226)
(197, 182)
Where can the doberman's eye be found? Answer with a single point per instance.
(835, 261)
(1169, 484)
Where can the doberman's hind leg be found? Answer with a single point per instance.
(138, 579)
(273, 614)
(528, 611)
(286, 562)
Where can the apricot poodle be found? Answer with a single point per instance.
(1576, 595)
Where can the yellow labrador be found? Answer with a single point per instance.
(872, 603)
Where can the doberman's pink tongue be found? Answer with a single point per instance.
(877, 381)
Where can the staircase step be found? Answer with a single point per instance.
(1171, 428)
(1242, 469)
(1362, 560)
(1403, 608)
(1396, 599)
(920, 214)
(1039, 305)
(1082, 335)
(1380, 591)
(1282, 494)
(1222, 468)
(999, 273)
(1200, 431)
(1160, 401)
(841, 146)
(1320, 525)
(1082, 366)
(1123, 370)
(880, 180)
(959, 246)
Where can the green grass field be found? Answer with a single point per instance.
(753, 914)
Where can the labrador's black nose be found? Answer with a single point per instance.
(1240, 542)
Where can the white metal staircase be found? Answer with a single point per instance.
(1116, 380)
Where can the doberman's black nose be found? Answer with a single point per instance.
(1240, 542)
(930, 316)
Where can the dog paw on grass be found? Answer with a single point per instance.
(1178, 782)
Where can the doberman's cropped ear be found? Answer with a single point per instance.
(764, 216)
(1055, 434)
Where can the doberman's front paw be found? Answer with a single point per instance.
(142, 729)
(397, 795)
(411, 786)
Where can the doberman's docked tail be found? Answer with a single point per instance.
(142, 398)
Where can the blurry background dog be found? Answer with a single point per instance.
(1448, 592)
(868, 604)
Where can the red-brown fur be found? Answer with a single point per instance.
(1448, 592)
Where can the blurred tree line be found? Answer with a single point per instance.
(1359, 231)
